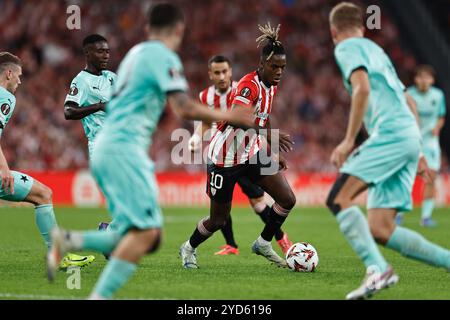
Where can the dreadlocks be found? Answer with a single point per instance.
(269, 37)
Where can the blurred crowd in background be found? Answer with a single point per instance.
(312, 104)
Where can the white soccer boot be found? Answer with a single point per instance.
(373, 282)
(266, 250)
(188, 256)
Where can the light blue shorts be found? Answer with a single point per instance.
(129, 185)
(389, 167)
(22, 187)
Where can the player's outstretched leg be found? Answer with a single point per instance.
(356, 230)
(261, 208)
(41, 196)
(278, 188)
(64, 241)
(219, 213)
(407, 242)
(255, 195)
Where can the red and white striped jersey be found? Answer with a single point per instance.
(231, 146)
(220, 101)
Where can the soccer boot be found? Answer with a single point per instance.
(268, 252)
(188, 256)
(226, 250)
(373, 282)
(75, 260)
(285, 243)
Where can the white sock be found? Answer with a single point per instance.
(262, 242)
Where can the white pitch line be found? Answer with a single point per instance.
(49, 297)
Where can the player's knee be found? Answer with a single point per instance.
(288, 201)
(217, 223)
(44, 195)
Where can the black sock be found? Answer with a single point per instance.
(227, 231)
(197, 238)
(264, 215)
(273, 224)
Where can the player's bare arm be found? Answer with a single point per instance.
(188, 109)
(360, 98)
(72, 111)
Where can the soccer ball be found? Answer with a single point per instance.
(302, 257)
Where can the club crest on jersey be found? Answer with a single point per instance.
(5, 108)
(73, 91)
(213, 191)
(245, 92)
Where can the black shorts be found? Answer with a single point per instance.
(221, 181)
(250, 189)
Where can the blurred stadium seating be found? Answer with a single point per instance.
(312, 104)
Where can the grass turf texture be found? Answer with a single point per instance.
(247, 276)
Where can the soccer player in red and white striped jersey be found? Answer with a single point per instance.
(236, 153)
(220, 96)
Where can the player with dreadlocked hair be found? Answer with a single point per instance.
(236, 153)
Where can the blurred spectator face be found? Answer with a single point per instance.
(273, 69)
(424, 80)
(97, 54)
(220, 74)
(13, 78)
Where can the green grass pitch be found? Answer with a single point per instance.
(247, 276)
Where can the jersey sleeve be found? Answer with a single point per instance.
(169, 75)
(7, 105)
(349, 58)
(78, 92)
(442, 108)
(246, 94)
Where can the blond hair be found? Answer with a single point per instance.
(346, 15)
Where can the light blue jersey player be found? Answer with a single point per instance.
(89, 92)
(91, 88)
(150, 75)
(17, 186)
(385, 164)
(431, 108)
